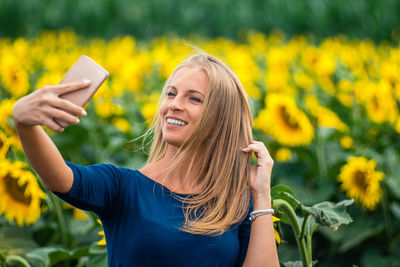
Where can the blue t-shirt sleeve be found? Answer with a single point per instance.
(94, 187)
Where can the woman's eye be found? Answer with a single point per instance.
(196, 99)
(170, 94)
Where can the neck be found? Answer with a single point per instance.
(177, 179)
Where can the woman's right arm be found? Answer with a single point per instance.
(41, 108)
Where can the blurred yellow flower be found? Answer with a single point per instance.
(344, 94)
(283, 154)
(49, 78)
(244, 65)
(76, 213)
(4, 145)
(106, 109)
(101, 242)
(6, 107)
(303, 80)
(346, 142)
(122, 124)
(325, 117)
(13, 76)
(276, 234)
(361, 181)
(149, 110)
(397, 125)
(288, 124)
(20, 194)
(380, 103)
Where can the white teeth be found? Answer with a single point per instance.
(176, 122)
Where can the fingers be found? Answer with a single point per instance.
(259, 150)
(61, 89)
(65, 117)
(51, 124)
(69, 107)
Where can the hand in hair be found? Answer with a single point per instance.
(260, 174)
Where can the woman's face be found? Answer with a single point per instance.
(182, 105)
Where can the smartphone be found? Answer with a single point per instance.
(84, 68)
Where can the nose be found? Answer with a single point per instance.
(176, 104)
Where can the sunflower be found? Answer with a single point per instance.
(283, 154)
(13, 76)
(6, 107)
(4, 144)
(20, 194)
(77, 214)
(379, 101)
(276, 234)
(360, 180)
(101, 242)
(288, 124)
(324, 116)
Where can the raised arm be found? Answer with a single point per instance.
(41, 108)
(262, 248)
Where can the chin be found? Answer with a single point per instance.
(173, 142)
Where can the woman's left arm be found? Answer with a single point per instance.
(261, 250)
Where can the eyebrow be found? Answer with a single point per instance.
(190, 90)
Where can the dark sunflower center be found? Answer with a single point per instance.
(375, 102)
(360, 180)
(286, 118)
(16, 191)
(14, 77)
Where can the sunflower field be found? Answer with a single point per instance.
(328, 112)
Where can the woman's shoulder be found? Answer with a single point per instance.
(103, 170)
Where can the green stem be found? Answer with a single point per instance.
(309, 247)
(93, 133)
(321, 159)
(386, 213)
(19, 259)
(280, 203)
(54, 205)
(304, 226)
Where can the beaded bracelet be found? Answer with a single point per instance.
(256, 213)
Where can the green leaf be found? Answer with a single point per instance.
(393, 183)
(283, 192)
(96, 249)
(97, 260)
(49, 255)
(16, 259)
(311, 226)
(372, 257)
(41, 256)
(330, 214)
(395, 208)
(293, 264)
(16, 240)
(296, 263)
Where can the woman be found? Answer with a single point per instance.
(188, 206)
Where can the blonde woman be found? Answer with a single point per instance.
(189, 205)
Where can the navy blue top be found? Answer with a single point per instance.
(141, 220)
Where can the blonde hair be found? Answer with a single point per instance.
(214, 146)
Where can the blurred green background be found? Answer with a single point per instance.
(375, 19)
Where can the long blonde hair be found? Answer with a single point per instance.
(214, 146)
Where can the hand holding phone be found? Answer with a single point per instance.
(84, 68)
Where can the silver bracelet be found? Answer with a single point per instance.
(256, 213)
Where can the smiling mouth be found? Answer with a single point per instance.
(176, 122)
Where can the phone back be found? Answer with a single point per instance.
(84, 68)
